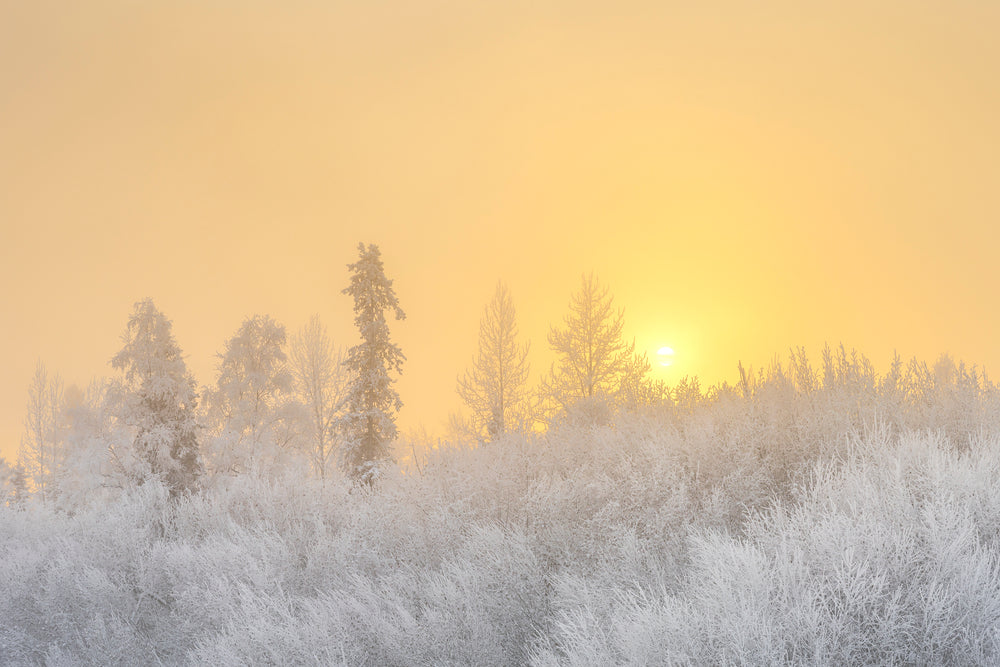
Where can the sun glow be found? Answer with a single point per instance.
(665, 355)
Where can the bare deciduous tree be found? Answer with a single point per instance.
(251, 400)
(43, 453)
(594, 361)
(321, 382)
(495, 387)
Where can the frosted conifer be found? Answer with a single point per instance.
(368, 423)
(159, 401)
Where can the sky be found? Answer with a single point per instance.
(745, 177)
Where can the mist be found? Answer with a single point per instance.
(418, 333)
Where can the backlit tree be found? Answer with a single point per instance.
(250, 404)
(494, 387)
(594, 361)
(368, 424)
(42, 453)
(321, 383)
(158, 403)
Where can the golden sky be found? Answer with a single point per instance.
(745, 176)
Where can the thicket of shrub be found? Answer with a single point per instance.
(799, 517)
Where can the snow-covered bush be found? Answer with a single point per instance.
(801, 517)
(889, 559)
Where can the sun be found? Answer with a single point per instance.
(665, 355)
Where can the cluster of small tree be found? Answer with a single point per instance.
(279, 404)
(596, 371)
(274, 405)
(270, 405)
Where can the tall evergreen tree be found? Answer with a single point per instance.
(368, 423)
(495, 387)
(159, 402)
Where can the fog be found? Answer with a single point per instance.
(744, 179)
(338, 333)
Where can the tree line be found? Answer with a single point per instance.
(281, 402)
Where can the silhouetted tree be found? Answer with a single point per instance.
(368, 423)
(594, 362)
(495, 387)
(158, 403)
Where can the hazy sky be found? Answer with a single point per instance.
(745, 176)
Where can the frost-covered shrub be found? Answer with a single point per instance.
(889, 559)
(803, 521)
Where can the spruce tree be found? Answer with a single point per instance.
(368, 423)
